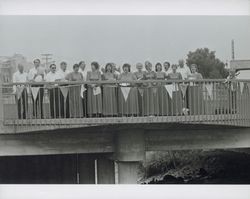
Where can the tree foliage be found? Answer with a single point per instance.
(208, 65)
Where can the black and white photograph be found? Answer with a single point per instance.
(124, 99)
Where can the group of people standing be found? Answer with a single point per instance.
(71, 94)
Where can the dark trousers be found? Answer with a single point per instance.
(84, 104)
(64, 105)
(22, 105)
(38, 102)
(55, 102)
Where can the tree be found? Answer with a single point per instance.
(208, 65)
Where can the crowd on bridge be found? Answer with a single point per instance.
(94, 100)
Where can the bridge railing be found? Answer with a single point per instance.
(203, 101)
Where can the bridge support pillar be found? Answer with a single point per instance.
(128, 172)
(130, 151)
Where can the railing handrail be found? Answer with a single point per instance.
(123, 81)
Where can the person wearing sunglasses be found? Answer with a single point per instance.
(54, 92)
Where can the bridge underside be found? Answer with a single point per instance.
(102, 139)
(56, 169)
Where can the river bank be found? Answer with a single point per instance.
(197, 167)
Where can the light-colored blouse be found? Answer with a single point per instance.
(149, 75)
(127, 76)
(174, 76)
(139, 75)
(109, 76)
(94, 76)
(194, 76)
(73, 76)
(160, 75)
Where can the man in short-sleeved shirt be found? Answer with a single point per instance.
(21, 92)
(183, 69)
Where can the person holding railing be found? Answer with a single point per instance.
(94, 92)
(127, 94)
(150, 107)
(109, 92)
(195, 96)
(21, 92)
(76, 106)
(37, 74)
(139, 74)
(183, 69)
(162, 94)
(64, 88)
(174, 93)
(54, 93)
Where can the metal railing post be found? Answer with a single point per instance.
(1, 106)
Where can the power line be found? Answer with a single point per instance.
(47, 57)
(232, 45)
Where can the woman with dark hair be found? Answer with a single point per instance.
(195, 101)
(174, 92)
(162, 94)
(127, 94)
(150, 102)
(167, 67)
(94, 93)
(109, 92)
(75, 101)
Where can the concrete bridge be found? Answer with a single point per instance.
(108, 150)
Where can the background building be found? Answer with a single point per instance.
(8, 65)
(240, 64)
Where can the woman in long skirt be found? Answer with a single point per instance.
(150, 98)
(195, 96)
(163, 97)
(139, 74)
(94, 93)
(127, 94)
(75, 101)
(177, 99)
(109, 92)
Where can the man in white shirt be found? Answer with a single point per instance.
(61, 74)
(37, 74)
(53, 75)
(183, 69)
(21, 92)
(54, 92)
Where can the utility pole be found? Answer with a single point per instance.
(47, 57)
(232, 45)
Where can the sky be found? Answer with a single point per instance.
(123, 39)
